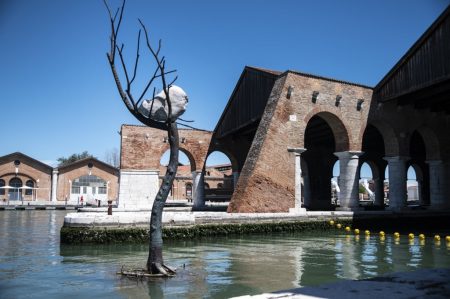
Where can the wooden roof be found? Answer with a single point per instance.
(422, 76)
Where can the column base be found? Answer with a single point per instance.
(347, 209)
(440, 207)
(301, 211)
(398, 209)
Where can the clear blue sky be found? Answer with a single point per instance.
(58, 96)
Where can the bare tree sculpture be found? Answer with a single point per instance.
(155, 262)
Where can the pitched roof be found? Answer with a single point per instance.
(19, 154)
(86, 160)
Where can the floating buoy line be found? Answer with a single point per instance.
(396, 235)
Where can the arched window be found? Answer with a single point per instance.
(188, 189)
(95, 184)
(2, 184)
(206, 186)
(220, 186)
(30, 184)
(15, 193)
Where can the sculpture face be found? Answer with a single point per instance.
(158, 105)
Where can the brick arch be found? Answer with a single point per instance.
(337, 125)
(417, 170)
(373, 168)
(432, 145)
(191, 158)
(20, 175)
(230, 156)
(391, 141)
(193, 161)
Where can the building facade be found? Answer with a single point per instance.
(26, 180)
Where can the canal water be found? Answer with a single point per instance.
(34, 265)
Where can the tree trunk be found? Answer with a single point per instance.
(155, 262)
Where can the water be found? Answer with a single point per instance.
(34, 265)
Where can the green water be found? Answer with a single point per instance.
(34, 265)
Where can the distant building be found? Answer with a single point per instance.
(26, 179)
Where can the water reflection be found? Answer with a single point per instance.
(32, 259)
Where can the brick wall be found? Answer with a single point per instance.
(142, 147)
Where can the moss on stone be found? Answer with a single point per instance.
(98, 235)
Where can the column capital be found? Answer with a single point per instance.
(296, 150)
(348, 154)
(434, 162)
(396, 158)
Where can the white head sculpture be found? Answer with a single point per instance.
(158, 105)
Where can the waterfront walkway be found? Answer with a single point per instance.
(97, 217)
(426, 283)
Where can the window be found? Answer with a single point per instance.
(84, 190)
(188, 189)
(75, 190)
(89, 181)
(2, 184)
(30, 184)
(101, 190)
(15, 193)
(206, 186)
(220, 185)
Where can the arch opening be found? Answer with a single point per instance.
(184, 176)
(15, 193)
(372, 186)
(220, 175)
(418, 175)
(2, 185)
(321, 143)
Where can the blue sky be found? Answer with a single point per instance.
(58, 96)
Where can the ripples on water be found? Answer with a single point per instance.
(34, 265)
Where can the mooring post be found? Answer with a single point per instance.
(109, 207)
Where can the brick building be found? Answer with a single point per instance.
(140, 172)
(286, 130)
(23, 178)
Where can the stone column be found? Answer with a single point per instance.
(235, 178)
(397, 182)
(198, 189)
(379, 191)
(348, 180)
(438, 184)
(419, 190)
(298, 180)
(54, 183)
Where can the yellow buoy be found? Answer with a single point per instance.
(411, 236)
(356, 231)
(421, 237)
(396, 235)
(382, 234)
(338, 225)
(331, 222)
(447, 238)
(367, 232)
(437, 237)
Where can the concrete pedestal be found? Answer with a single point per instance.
(138, 188)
